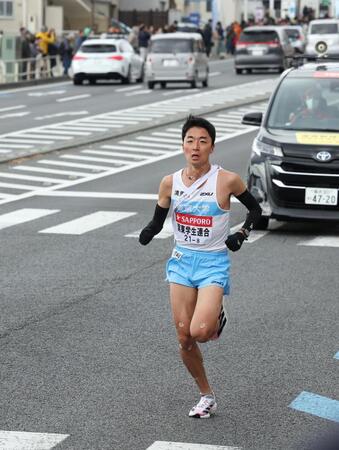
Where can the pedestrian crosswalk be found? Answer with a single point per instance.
(55, 171)
(50, 136)
(80, 225)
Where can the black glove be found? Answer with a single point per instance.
(146, 235)
(234, 241)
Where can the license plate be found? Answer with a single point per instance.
(321, 196)
(257, 52)
(170, 62)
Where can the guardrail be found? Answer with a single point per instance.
(41, 67)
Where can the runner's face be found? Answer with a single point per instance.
(197, 146)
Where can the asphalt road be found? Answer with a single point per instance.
(87, 344)
(57, 102)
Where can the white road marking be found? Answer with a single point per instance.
(322, 241)
(85, 194)
(18, 114)
(5, 151)
(151, 144)
(160, 140)
(177, 91)
(165, 233)
(75, 97)
(23, 141)
(62, 114)
(165, 134)
(93, 167)
(55, 137)
(113, 120)
(55, 171)
(30, 178)
(23, 187)
(22, 440)
(88, 223)
(133, 149)
(12, 108)
(55, 129)
(93, 158)
(82, 126)
(121, 154)
(21, 216)
(15, 146)
(214, 74)
(130, 88)
(145, 91)
(164, 445)
(43, 94)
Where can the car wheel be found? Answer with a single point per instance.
(128, 79)
(77, 80)
(163, 84)
(141, 78)
(150, 85)
(238, 71)
(205, 82)
(249, 70)
(92, 81)
(262, 224)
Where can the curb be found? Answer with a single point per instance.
(28, 83)
(168, 120)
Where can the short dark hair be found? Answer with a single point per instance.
(200, 122)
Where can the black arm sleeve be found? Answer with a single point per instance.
(155, 225)
(254, 210)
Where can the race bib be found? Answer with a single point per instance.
(194, 229)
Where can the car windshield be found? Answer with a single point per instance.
(310, 104)
(324, 28)
(172, 46)
(98, 48)
(259, 36)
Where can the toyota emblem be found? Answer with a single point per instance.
(323, 156)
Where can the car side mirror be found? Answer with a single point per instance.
(254, 119)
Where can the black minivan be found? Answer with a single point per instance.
(294, 166)
(263, 47)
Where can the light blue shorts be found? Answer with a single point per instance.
(198, 269)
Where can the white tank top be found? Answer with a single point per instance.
(198, 221)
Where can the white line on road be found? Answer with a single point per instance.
(15, 146)
(43, 94)
(21, 216)
(145, 91)
(18, 114)
(93, 158)
(85, 194)
(88, 223)
(133, 149)
(22, 440)
(214, 74)
(160, 140)
(130, 88)
(92, 167)
(62, 114)
(11, 108)
(150, 144)
(23, 187)
(162, 445)
(119, 154)
(322, 241)
(30, 178)
(75, 97)
(55, 171)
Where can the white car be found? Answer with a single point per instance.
(323, 37)
(106, 59)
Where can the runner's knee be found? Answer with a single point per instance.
(185, 343)
(202, 332)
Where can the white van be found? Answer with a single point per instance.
(323, 37)
(176, 57)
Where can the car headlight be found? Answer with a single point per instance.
(259, 147)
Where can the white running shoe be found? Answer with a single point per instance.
(205, 408)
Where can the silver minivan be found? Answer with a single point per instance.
(323, 37)
(175, 58)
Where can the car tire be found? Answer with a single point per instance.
(150, 84)
(262, 224)
(249, 71)
(77, 81)
(141, 78)
(238, 71)
(128, 79)
(163, 85)
(205, 82)
(92, 81)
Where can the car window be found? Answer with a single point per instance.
(259, 36)
(306, 104)
(171, 46)
(98, 48)
(324, 28)
(293, 34)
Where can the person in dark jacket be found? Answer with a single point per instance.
(207, 36)
(143, 38)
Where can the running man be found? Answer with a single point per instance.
(198, 270)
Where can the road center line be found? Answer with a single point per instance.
(11, 108)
